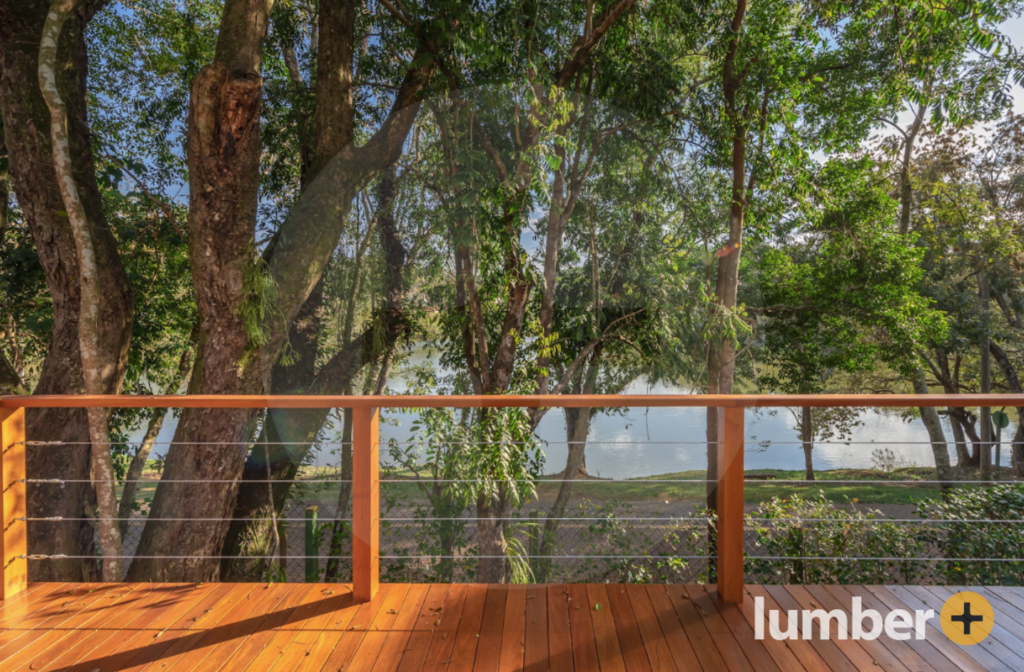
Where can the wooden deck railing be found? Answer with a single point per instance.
(365, 456)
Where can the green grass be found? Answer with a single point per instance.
(652, 489)
(756, 491)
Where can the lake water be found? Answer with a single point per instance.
(630, 443)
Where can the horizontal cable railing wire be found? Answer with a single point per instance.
(402, 526)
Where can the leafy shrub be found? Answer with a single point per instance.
(625, 551)
(967, 541)
(792, 533)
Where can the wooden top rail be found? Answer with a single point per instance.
(512, 401)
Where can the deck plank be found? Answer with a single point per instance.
(467, 637)
(732, 652)
(1007, 613)
(461, 627)
(1000, 643)
(128, 643)
(312, 647)
(609, 651)
(70, 649)
(488, 650)
(915, 654)
(581, 627)
(27, 601)
(634, 652)
(372, 643)
(107, 642)
(559, 632)
(696, 631)
(426, 628)
(43, 650)
(25, 605)
(933, 635)
(864, 661)
(234, 601)
(1009, 595)
(150, 645)
(763, 655)
(806, 655)
(366, 623)
(513, 634)
(289, 645)
(879, 648)
(650, 629)
(299, 601)
(829, 652)
(398, 636)
(17, 622)
(678, 644)
(218, 645)
(432, 650)
(982, 657)
(536, 652)
(30, 629)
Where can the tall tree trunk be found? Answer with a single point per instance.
(235, 356)
(968, 425)
(963, 455)
(249, 534)
(930, 416)
(1013, 382)
(230, 289)
(156, 423)
(285, 439)
(490, 539)
(722, 350)
(807, 436)
(93, 364)
(1017, 451)
(906, 185)
(292, 434)
(577, 428)
(26, 124)
(933, 423)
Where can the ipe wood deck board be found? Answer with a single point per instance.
(414, 628)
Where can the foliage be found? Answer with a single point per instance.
(668, 550)
(792, 532)
(26, 312)
(965, 540)
(842, 298)
(638, 152)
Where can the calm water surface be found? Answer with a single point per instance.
(629, 443)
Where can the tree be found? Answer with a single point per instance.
(89, 331)
(26, 121)
(965, 216)
(842, 294)
(247, 302)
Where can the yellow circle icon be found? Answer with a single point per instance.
(967, 618)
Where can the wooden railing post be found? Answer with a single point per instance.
(730, 505)
(365, 503)
(14, 540)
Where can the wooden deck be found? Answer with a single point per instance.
(287, 627)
